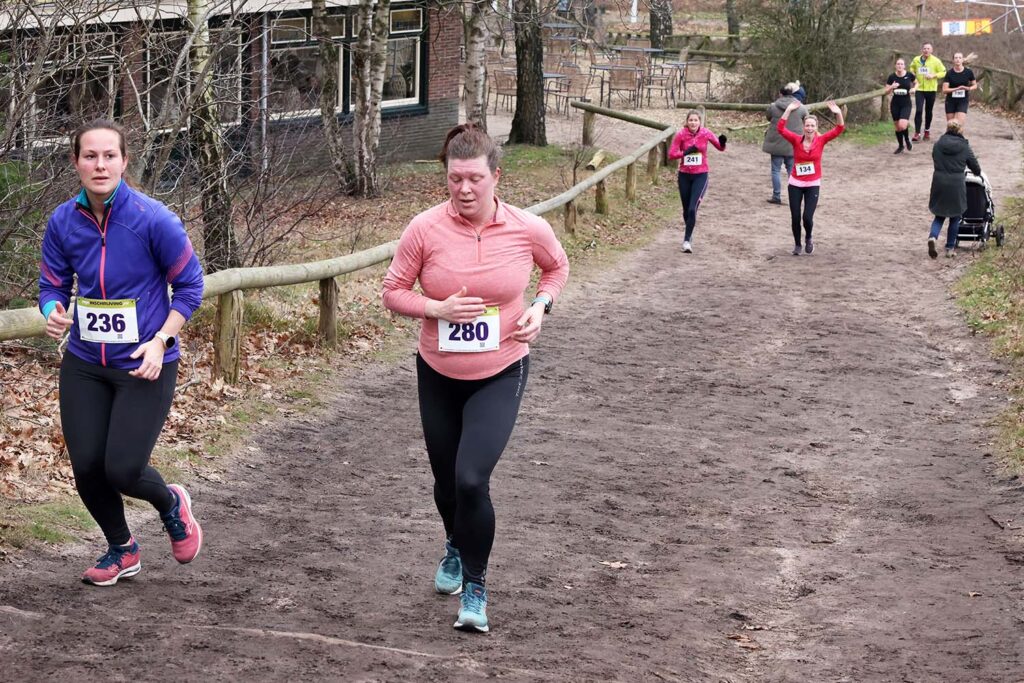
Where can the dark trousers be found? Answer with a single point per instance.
(925, 103)
(111, 422)
(809, 196)
(466, 426)
(692, 187)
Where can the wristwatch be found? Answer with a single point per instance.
(545, 300)
(167, 339)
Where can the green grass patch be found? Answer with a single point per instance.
(991, 295)
(870, 134)
(53, 522)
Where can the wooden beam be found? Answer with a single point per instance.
(227, 340)
(631, 182)
(329, 312)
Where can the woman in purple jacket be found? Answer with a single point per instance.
(690, 146)
(118, 375)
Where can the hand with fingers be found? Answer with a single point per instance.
(58, 322)
(152, 354)
(457, 308)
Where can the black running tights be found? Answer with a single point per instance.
(925, 104)
(809, 195)
(466, 425)
(111, 422)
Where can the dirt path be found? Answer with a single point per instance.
(783, 460)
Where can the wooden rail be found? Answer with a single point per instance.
(227, 285)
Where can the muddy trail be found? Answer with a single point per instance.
(735, 465)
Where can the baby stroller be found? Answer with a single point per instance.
(978, 222)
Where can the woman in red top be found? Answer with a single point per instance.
(805, 180)
(473, 257)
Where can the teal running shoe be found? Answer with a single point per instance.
(448, 579)
(473, 611)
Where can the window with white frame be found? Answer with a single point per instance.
(294, 85)
(406, 20)
(402, 73)
(67, 97)
(227, 75)
(167, 80)
(77, 85)
(292, 31)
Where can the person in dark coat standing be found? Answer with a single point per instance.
(777, 146)
(948, 199)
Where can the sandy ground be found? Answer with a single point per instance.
(736, 465)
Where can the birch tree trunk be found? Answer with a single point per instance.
(369, 60)
(220, 246)
(475, 71)
(327, 75)
(661, 22)
(528, 125)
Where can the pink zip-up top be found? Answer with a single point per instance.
(684, 139)
(802, 156)
(444, 252)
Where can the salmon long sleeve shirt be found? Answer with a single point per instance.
(807, 164)
(445, 252)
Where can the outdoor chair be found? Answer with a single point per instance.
(696, 75)
(575, 87)
(504, 87)
(625, 79)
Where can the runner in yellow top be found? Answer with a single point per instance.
(929, 71)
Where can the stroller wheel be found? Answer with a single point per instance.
(999, 236)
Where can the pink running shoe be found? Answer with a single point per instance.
(185, 532)
(118, 562)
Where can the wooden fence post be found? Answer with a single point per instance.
(329, 311)
(588, 128)
(884, 109)
(227, 341)
(570, 217)
(653, 159)
(600, 198)
(631, 182)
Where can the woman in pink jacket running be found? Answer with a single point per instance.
(690, 146)
(473, 256)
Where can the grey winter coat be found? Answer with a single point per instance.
(951, 154)
(774, 143)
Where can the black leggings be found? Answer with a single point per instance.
(111, 422)
(466, 425)
(809, 195)
(925, 102)
(692, 187)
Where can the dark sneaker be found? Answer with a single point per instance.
(899, 150)
(185, 532)
(797, 249)
(932, 251)
(119, 562)
(473, 609)
(927, 135)
(809, 245)
(916, 137)
(775, 200)
(448, 578)
(910, 145)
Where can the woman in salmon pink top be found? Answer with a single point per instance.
(805, 180)
(690, 146)
(473, 256)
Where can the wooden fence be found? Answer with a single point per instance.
(227, 285)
